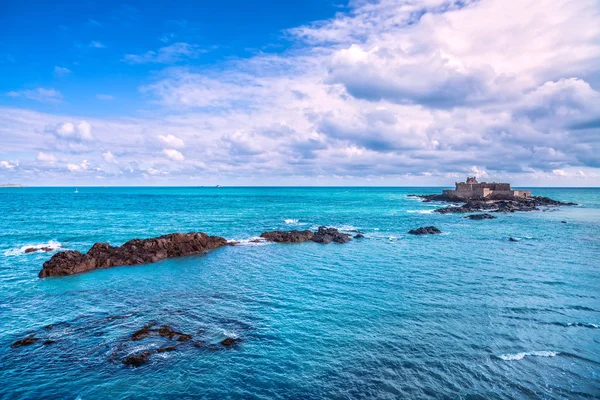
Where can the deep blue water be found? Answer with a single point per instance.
(465, 314)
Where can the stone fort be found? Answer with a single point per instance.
(471, 189)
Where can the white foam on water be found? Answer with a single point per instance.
(584, 324)
(291, 221)
(253, 241)
(53, 244)
(520, 356)
(420, 211)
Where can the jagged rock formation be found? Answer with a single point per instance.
(425, 230)
(323, 235)
(134, 252)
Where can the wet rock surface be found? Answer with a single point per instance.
(323, 235)
(425, 230)
(294, 236)
(134, 252)
(478, 217)
(35, 249)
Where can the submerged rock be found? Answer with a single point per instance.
(134, 252)
(229, 342)
(480, 216)
(138, 359)
(511, 239)
(34, 249)
(29, 340)
(425, 230)
(165, 331)
(359, 236)
(294, 236)
(165, 349)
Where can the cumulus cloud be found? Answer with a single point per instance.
(81, 167)
(173, 154)
(172, 141)
(40, 94)
(7, 164)
(395, 91)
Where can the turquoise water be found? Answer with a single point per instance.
(465, 314)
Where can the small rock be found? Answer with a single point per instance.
(427, 230)
(142, 333)
(512, 240)
(480, 216)
(563, 222)
(294, 236)
(138, 359)
(49, 341)
(229, 342)
(29, 340)
(359, 236)
(325, 235)
(165, 349)
(199, 343)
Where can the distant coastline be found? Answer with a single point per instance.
(12, 185)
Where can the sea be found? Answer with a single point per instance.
(466, 314)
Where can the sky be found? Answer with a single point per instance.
(301, 92)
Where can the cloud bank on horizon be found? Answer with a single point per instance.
(390, 92)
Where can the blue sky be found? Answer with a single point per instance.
(389, 92)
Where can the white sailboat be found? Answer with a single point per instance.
(76, 191)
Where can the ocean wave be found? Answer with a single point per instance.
(253, 241)
(520, 356)
(52, 245)
(420, 211)
(291, 221)
(583, 325)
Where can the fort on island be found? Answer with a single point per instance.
(472, 190)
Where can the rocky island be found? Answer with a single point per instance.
(146, 251)
(492, 197)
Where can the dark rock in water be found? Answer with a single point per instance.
(294, 236)
(138, 359)
(325, 235)
(165, 349)
(34, 249)
(134, 252)
(199, 343)
(229, 342)
(563, 222)
(164, 331)
(169, 333)
(512, 240)
(480, 216)
(359, 236)
(427, 230)
(49, 341)
(29, 340)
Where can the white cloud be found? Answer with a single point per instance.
(166, 55)
(61, 71)
(96, 45)
(109, 157)
(40, 94)
(70, 131)
(172, 141)
(83, 166)
(173, 154)
(7, 164)
(46, 158)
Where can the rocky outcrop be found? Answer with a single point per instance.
(359, 236)
(137, 359)
(323, 235)
(528, 204)
(134, 252)
(34, 249)
(294, 236)
(478, 217)
(425, 230)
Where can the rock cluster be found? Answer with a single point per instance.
(425, 230)
(323, 235)
(134, 252)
